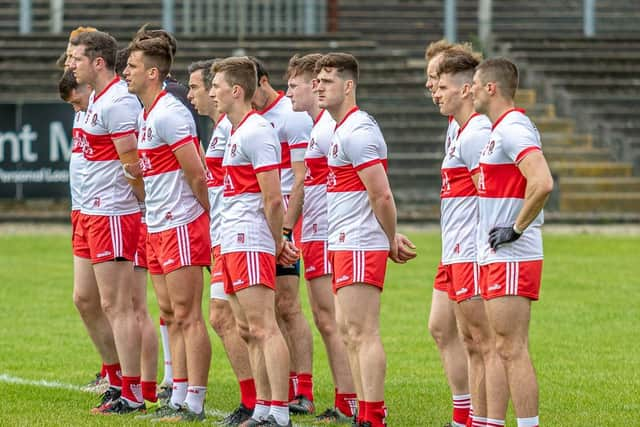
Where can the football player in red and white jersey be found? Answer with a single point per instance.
(177, 212)
(293, 131)
(110, 215)
(442, 320)
(251, 235)
(361, 228)
(85, 289)
(513, 186)
(315, 253)
(459, 220)
(220, 314)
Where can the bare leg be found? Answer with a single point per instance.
(86, 298)
(149, 341)
(224, 324)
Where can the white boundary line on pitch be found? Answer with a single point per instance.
(10, 379)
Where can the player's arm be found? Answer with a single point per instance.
(539, 185)
(127, 148)
(269, 182)
(375, 181)
(191, 163)
(296, 198)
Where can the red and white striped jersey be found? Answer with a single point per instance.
(215, 175)
(76, 162)
(458, 195)
(293, 130)
(357, 143)
(314, 209)
(252, 148)
(501, 188)
(111, 114)
(166, 127)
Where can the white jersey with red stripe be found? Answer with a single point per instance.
(215, 175)
(314, 209)
(76, 162)
(111, 114)
(166, 127)
(252, 148)
(293, 132)
(501, 188)
(458, 195)
(357, 143)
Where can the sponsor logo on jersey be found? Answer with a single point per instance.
(240, 238)
(168, 216)
(314, 228)
(342, 237)
(96, 202)
(456, 249)
(145, 163)
(331, 179)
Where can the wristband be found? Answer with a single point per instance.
(515, 229)
(286, 233)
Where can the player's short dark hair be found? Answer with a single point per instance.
(501, 71)
(121, 60)
(459, 63)
(261, 70)
(306, 64)
(239, 70)
(345, 64)
(156, 53)
(98, 44)
(67, 84)
(206, 68)
(145, 32)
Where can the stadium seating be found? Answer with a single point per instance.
(582, 93)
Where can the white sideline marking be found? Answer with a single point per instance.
(10, 379)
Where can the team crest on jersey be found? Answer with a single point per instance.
(488, 149)
(234, 148)
(149, 133)
(342, 237)
(452, 150)
(312, 143)
(96, 202)
(94, 119)
(314, 228)
(169, 216)
(272, 125)
(334, 150)
(240, 238)
(214, 142)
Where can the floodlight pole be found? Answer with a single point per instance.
(25, 16)
(56, 19)
(485, 20)
(450, 20)
(589, 18)
(168, 14)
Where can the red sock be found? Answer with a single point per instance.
(293, 379)
(131, 389)
(149, 390)
(305, 386)
(103, 371)
(346, 403)
(470, 418)
(248, 393)
(376, 413)
(361, 411)
(114, 374)
(461, 407)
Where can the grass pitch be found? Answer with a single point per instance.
(584, 338)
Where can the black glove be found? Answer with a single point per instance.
(501, 235)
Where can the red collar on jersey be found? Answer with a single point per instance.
(115, 80)
(244, 119)
(520, 110)
(270, 106)
(160, 95)
(317, 119)
(220, 118)
(350, 112)
(467, 122)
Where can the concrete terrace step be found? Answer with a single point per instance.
(566, 154)
(591, 169)
(599, 184)
(600, 202)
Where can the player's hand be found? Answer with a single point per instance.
(393, 251)
(289, 253)
(132, 170)
(500, 235)
(406, 248)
